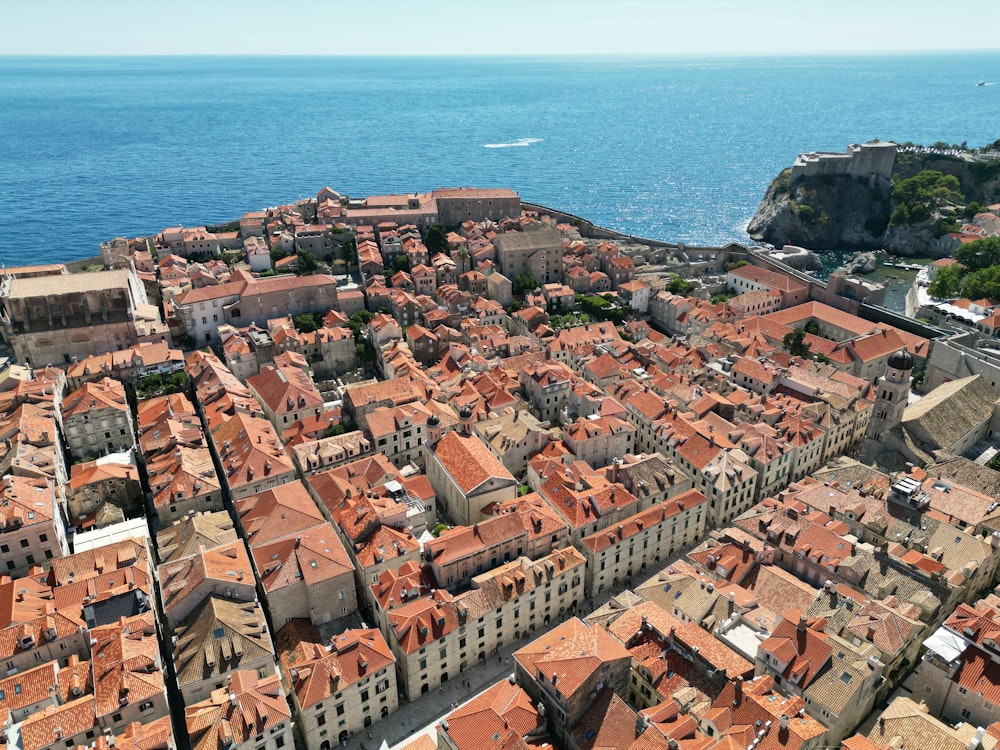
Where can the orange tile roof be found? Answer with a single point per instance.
(223, 565)
(312, 557)
(221, 721)
(53, 723)
(126, 660)
(803, 649)
(482, 720)
(283, 511)
(633, 525)
(572, 652)
(469, 462)
(254, 451)
(318, 671)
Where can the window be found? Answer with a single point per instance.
(43, 537)
(321, 720)
(24, 542)
(146, 706)
(340, 709)
(364, 696)
(116, 718)
(280, 741)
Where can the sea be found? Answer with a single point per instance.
(676, 149)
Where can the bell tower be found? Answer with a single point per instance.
(891, 396)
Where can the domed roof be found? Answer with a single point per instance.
(900, 360)
(433, 420)
(465, 412)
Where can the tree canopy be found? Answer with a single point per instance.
(918, 197)
(436, 239)
(795, 344)
(524, 282)
(978, 275)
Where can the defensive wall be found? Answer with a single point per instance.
(868, 160)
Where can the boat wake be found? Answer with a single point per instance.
(519, 143)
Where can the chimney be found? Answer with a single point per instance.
(803, 623)
(738, 685)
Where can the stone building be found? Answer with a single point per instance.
(566, 667)
(338, 689)
(250, 712)
(537, 252)
(51, 319)
(457, 205)
(618, 553)
(31, 525)
(466, 477)
(96, 419)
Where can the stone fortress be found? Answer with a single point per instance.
(869, 160)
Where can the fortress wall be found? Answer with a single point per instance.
(866, 160)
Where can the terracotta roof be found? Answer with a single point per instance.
(482, 720)
(126, 660)
(801, 648)
(311, 557)
(572, 652)
(469, 462)
(909, 722)
(238, 712)
(54, 723)
(285, 389)
(634, 525)
(224, 566)
(253, 452)
(283, 511)
(201, 530)
(217, 637)
(318, 670)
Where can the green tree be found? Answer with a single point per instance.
(277, 254)
(359, 322)
(307, 263)
(524, 282)
(175, 382)
(678, 285)
(436, 239)
(795, 344)
(306, 323)
(334, 429)
(900, 216)
(812, 327)
(922, 195)
(978, 255)
(400, 263)
(982, 283)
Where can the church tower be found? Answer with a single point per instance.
(891, 396)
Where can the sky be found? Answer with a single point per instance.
(509, 27)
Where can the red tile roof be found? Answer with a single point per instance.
(469, 462)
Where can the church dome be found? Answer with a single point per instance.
(465, 412)
(900, 360)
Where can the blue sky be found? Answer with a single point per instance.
(510, 27)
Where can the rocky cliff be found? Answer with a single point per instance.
(844, 212)
(823, 212)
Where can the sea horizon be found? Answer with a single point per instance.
(674, 148)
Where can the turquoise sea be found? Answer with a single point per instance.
(676, 149)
